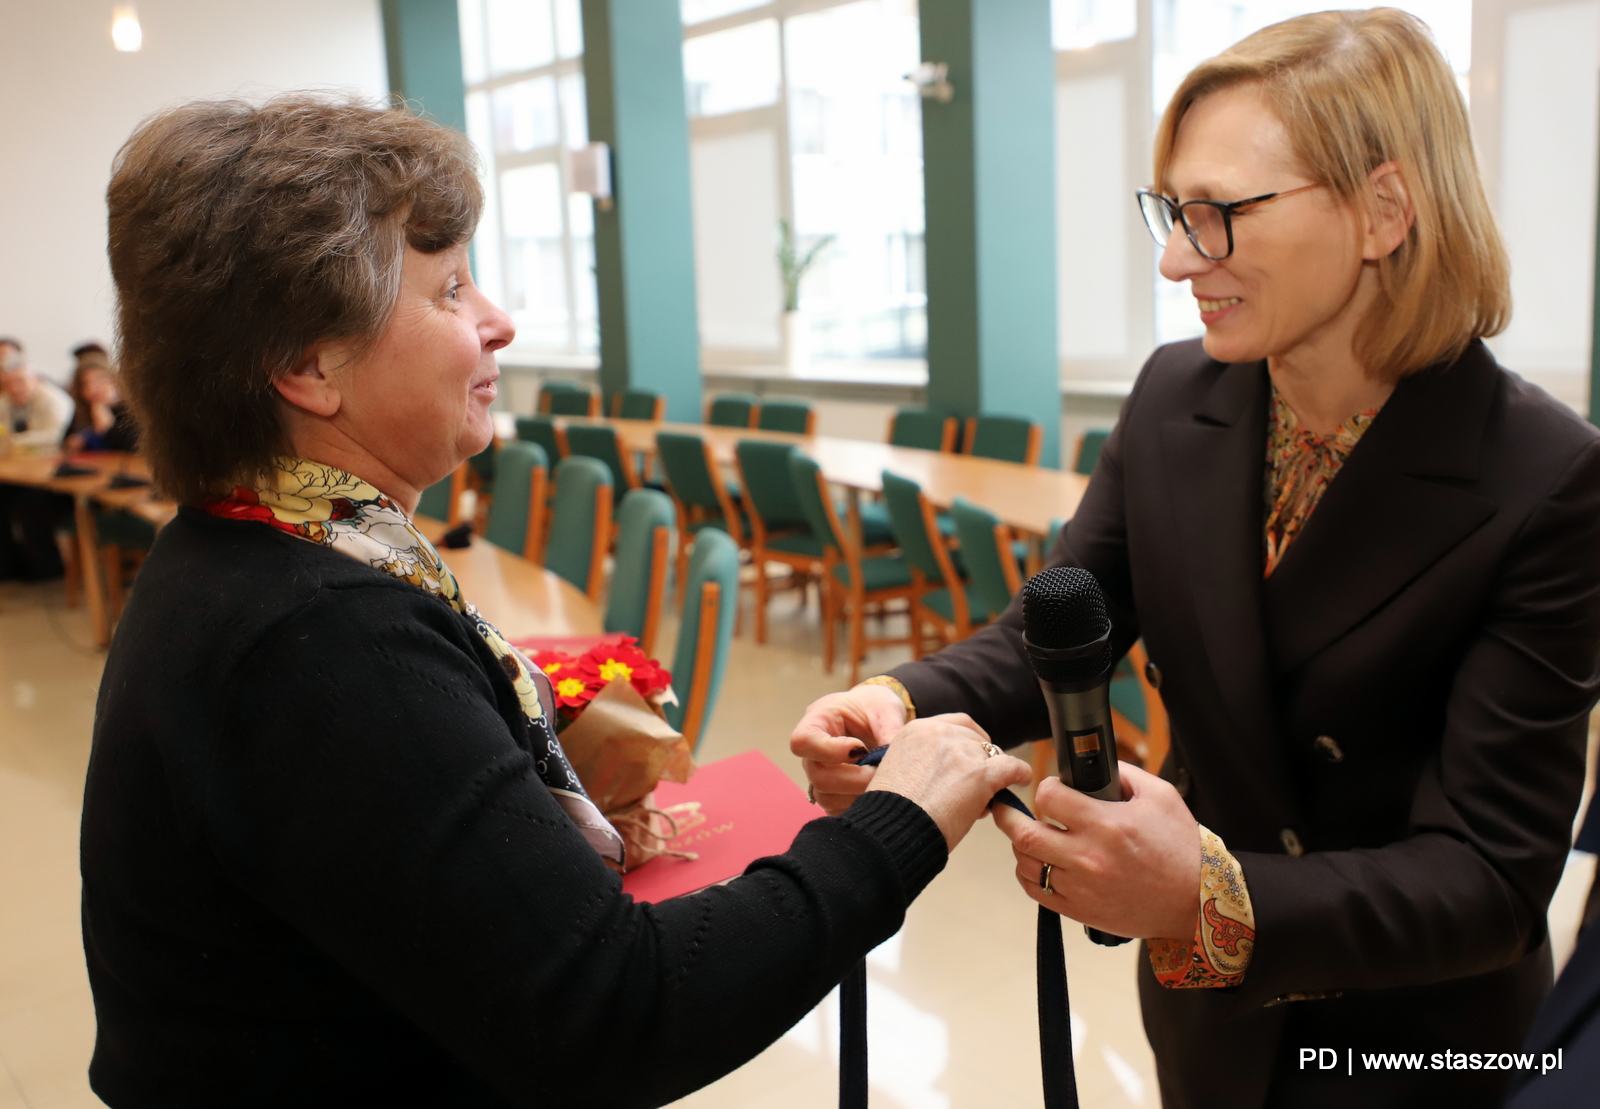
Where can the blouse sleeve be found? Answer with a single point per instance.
(372, 795)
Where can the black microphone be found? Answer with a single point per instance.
(1068, 638)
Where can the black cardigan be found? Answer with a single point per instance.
(1405, 700)
(319, 868)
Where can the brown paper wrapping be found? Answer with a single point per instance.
(620, 748)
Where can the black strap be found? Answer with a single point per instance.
(1055, 1019)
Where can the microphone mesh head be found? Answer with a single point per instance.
(1063, 607)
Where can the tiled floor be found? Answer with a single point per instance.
(951, 998)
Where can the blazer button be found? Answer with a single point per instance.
(1291, 842)
(1329, 748)
(1152, 674)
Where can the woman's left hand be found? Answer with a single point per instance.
(1129, 867)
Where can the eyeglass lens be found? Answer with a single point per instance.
(1205, 223)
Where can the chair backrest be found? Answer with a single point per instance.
(915, 530)
(541, 430)
(733, 410)
(518, 508)
(483, 463)
(786, 414)
(580, 523)
(810, 489)
(1008, 438)
(639, 404)
(600, 441)
(705, 634)
(548, 390)
(768, 485)
(987, 554)
(639, 576)
(439, 498)
(1090, 443)
(574, 402)
(693, 479)
(924, 428)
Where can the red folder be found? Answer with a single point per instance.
(731, 812)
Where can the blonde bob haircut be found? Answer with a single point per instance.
(1356, 89)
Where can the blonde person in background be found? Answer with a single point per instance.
(33, 415)
(1364, 559)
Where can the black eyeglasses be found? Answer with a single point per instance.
(1208, 223)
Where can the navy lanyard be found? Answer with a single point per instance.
(1055, 1022)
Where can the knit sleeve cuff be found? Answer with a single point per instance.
(906, 832)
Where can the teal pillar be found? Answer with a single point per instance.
(989, 182)
(422, 44)
(644, 242)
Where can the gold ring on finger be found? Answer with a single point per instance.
(990, 750)
(1044, 878)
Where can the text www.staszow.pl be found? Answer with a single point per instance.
(1327, 1058)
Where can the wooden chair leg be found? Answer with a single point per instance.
(858, 650)
(73, 580)
(111, 560)
(761, 594)
(825, 592)
(1040, 760)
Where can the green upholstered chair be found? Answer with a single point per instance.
(923, 428)
(988, 552)
(600, 441)
(442, 499)
(548, 390)
(542, 430)
(733, 410)
(480, 473)
(1053, 536)
(786, 414)
(639, 575)
(943, 600)
(574, 402)
(705, 634)
(850, 581)
(701, 496)
(121, 539)
(1090, 444)
(779, 531)
(516, 519)
(580, 523)
(1008, 438)
(639, 404)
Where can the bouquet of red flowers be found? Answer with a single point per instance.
(609, 719)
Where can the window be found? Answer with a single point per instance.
(534, 252)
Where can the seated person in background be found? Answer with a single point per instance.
(32, 412)
(100, 422)
(31, 409)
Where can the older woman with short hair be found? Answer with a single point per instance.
(333, 853)
(1365, 563)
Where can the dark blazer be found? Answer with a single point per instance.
(1439, 620)
(1567, 1033)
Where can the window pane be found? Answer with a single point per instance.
(1092, 245)
(519, 35)
(474, 64)
(585, 298)
(575, 111)
(732, 71)
(569, 29)
(1076, 24)
(535, 269)
(525, 115)
(698, 11)
(857, 154)
(736, 215)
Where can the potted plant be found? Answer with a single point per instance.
(793, 264)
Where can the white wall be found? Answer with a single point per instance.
(68, 99)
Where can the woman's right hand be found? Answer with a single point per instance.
(838, 729)
(948, 767)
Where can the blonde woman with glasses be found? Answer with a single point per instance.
(1365, 561)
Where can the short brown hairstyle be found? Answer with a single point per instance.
(240, 234)
(1356, 89)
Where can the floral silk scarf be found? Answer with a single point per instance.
(338, 510)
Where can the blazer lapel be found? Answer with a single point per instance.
(1215, 463)
(1391, 496)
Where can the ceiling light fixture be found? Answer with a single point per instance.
(126, 34)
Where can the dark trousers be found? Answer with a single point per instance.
(28, 518)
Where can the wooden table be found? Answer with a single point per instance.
(39, 471)
(519, 598)
(1027, 498)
